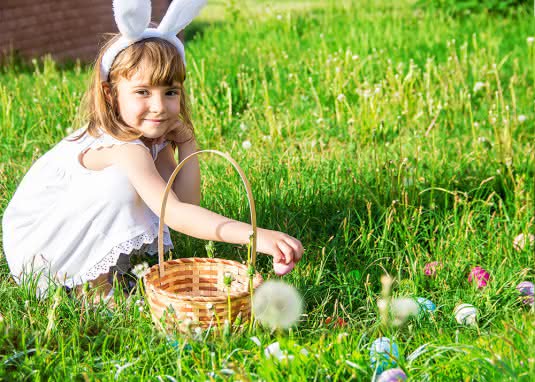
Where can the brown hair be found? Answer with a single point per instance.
(165, 65)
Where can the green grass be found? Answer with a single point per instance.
(410, 165)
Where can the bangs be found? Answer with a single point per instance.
(159, 56)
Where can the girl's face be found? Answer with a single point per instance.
(152, 110)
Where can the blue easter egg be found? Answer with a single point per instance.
(425, 306)
(383, 354)
(175, 344)
(392, 375)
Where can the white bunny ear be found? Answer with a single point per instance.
(132, 17)
(180, 14)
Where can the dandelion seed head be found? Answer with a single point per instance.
(139, 270)
(277, 304)
(478, 86)
(246, 144)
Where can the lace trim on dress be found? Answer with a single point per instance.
(106, 140)
(146, 242)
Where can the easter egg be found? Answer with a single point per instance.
(431, 268)
(425, 306)
(283, 268)
(392, 375)
(479, 276)
(521, 241)
(383, 354)
(525, 288)
(465, 314)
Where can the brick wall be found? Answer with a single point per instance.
(67, 29)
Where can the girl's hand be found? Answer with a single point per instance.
(284, 248)
(177, 133)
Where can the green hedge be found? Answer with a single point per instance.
(465, 6)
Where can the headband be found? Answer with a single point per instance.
(133, 18)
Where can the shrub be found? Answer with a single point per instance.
(465, 6)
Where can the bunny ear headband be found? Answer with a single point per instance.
(133, 18)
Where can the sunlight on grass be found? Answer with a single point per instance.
(384, 136)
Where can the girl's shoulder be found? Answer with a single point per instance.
(103, 151)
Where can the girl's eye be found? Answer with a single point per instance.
(142, 92)
(172, 93)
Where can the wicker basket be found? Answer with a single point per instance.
(191, 292)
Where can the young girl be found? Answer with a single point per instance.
(95, 197)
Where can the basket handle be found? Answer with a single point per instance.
(168, 189)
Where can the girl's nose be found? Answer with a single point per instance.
(157, 103)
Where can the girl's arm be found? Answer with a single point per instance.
(187, 185)
(193, 220)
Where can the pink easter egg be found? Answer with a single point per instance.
(283, 268)
(479, 275)
(431, 268)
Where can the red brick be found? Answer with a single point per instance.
(65, 28)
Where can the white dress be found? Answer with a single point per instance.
(70, 224)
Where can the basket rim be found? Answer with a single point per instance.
(257, 280)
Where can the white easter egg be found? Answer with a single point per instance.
(465, 314)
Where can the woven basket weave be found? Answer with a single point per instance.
(191, 292)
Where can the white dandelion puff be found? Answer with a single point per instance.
(341, 97)
(277, 304)
(274, 350)
(400, 308)
(246, 145)
(139, 270)
(478, 86)
(522, 118)
(530, 40)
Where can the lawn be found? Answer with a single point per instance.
(384, 136)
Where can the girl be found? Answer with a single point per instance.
(94, 198)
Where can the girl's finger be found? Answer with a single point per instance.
(297, 248)
(287, 251)
(278, 256)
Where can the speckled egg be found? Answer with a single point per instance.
(383, 354)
